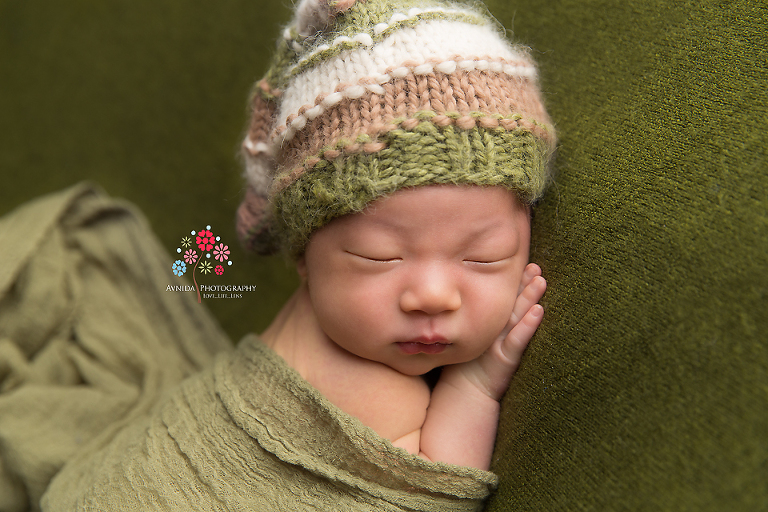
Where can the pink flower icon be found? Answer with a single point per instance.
(221, 253)
(190, 256)
(205, 240)
(219, 270)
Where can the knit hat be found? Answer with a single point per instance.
(367, 97)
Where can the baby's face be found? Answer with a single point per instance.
(420, 279)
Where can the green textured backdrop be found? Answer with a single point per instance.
(646, 387)
(148, 99)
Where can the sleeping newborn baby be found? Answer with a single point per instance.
(427, 277)
(394, 151)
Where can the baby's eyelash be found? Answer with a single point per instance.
(485, 262)
(369, 258)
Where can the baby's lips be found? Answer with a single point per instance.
(418, 347)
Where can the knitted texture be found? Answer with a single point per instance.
(365, 98)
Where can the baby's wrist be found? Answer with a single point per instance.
(469, 384)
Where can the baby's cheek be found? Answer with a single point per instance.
(498, 308)
(366, 305)
(499, 295)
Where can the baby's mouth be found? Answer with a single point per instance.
(425, 345)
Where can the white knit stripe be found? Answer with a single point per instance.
(295, 122)
(367, 38)
(257, 147)
(410, 50)
(258, 172)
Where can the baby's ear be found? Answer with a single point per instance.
(301, 267)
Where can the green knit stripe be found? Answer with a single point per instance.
(364, 15)
(313, 57)
(283, 57)
(514, 123)
(426, 155)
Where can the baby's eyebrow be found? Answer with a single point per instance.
(389, 226)
(494, 230)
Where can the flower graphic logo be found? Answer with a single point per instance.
(221, 253)
(179, 268)
(196, 256)
(205, 240)
(190, 256)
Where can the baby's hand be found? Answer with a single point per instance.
(460, 427)
(491, 372)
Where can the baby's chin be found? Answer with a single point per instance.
(418, 361)
(421, 364)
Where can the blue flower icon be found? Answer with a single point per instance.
(179, 268)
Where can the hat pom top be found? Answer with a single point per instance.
(313, 16)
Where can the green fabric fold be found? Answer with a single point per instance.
(88, 338)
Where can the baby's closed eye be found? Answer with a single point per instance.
(375, 256)
(487, 260)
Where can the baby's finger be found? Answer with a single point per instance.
(517, 340)
(501, 361)
(531, 295)
(531, 270)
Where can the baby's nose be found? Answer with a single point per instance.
(431, 290)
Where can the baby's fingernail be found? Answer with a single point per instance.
(537, 310)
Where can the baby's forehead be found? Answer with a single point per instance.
(431, 207)
(460, 196)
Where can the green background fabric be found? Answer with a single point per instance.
(646, 387)
(148, 99)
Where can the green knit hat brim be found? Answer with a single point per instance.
(426, 155)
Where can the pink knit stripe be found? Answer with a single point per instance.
(480, 99)
(252, 212)
(262, 119)
(293, 122)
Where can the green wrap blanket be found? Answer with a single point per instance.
(88, 339)
(251, 434)
(95, 413)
